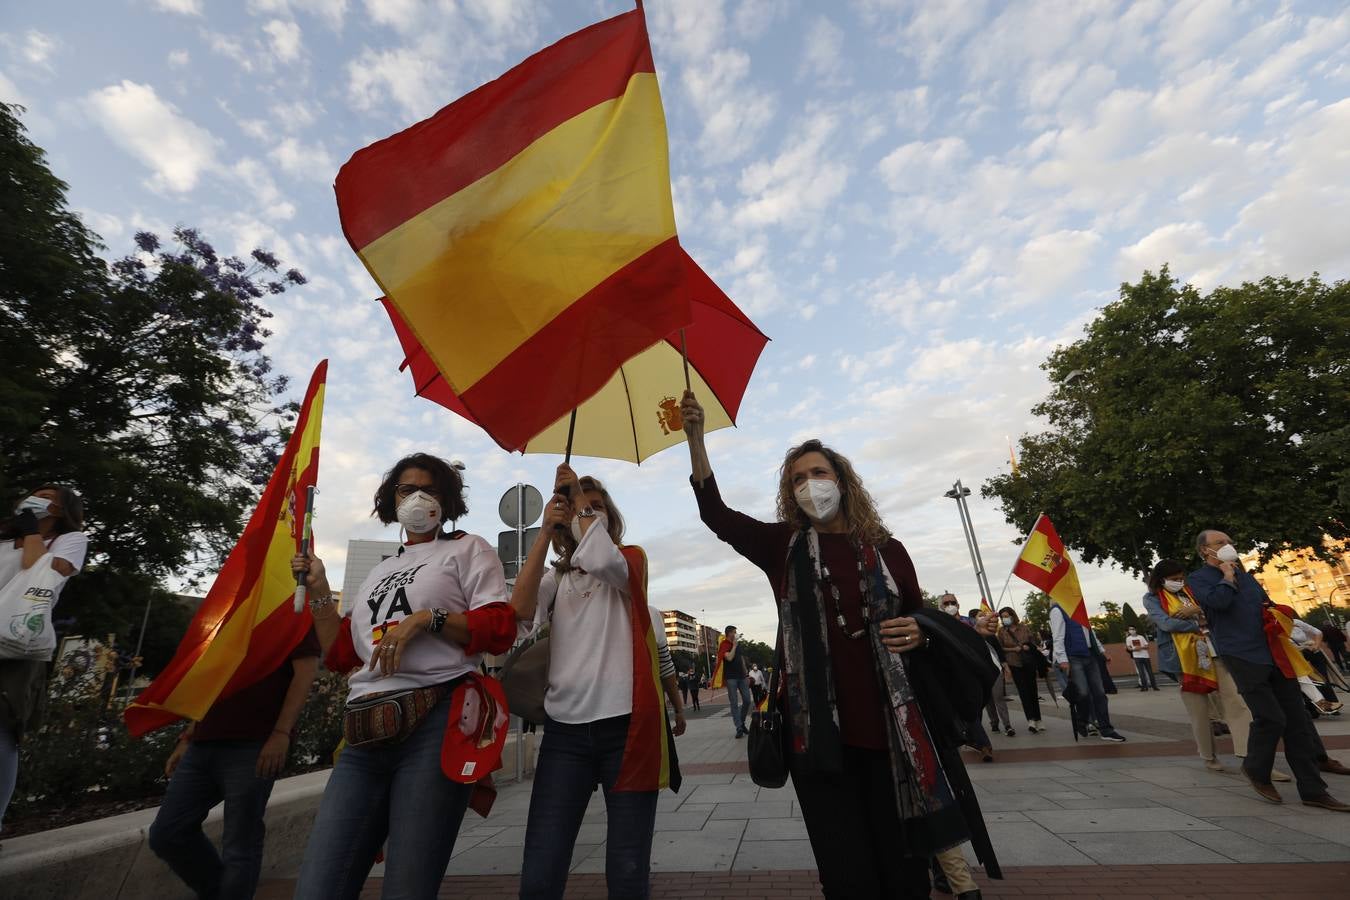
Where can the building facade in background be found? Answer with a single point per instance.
(1301, 580)
(362, 556)
(681, 630)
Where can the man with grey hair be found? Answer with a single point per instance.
(1237, 610)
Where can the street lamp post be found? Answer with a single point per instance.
(959, 493)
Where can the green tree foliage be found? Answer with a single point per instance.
(141, 383)
(1179, 411)
(1036, 611)
(755, 652)
(1109, 624)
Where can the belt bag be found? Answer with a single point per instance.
(391, 716)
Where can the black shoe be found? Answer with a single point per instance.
(739, 735)
(1155, 687)
(1010, 732)
(1113, 736)
(970, 895)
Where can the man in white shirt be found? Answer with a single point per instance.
(1137, 645)
(757, 684)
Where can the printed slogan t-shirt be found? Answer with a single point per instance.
(455, 575)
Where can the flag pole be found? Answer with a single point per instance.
(684, 356)
(305, 534)
(1019, 556)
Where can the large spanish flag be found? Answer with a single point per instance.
(246, 627)
(529, 220)
(1045, 564)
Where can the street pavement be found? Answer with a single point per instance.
(1088, 818)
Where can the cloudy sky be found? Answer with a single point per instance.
(916, 200)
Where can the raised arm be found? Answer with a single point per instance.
(525, 595)
(692, 413)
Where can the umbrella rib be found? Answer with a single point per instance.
(632, 417)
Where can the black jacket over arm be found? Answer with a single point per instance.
(952, 678)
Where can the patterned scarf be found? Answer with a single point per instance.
(921, 785)
(1198, 675)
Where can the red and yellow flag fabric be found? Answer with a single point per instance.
(1045, 564)
(529, 219)
(1195, 678)
(1278, 624)
(719, 679)
(649, 748)
(246, 627)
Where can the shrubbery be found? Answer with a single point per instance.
(83, 755)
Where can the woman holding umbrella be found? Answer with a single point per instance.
(605, 720)
(874, 770)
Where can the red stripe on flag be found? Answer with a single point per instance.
(391, 181)
(234, 582)
(631, 308)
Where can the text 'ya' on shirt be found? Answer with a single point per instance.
(457, 575)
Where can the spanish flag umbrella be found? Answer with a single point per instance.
(531, 218)
(637, 412)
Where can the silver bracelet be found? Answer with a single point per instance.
(318, 603)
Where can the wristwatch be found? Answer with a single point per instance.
(438, 617)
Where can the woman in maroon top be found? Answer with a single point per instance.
(880, 788)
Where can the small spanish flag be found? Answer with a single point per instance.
(378, 632)
(246, 626)
(1045, 564)
(530, 218)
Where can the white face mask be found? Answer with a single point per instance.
(576, 529)
(1227, 553)
(951, 610)
(41, 506)
(1174, 586)
(419, 513)
(818, 498)
(1007, 621)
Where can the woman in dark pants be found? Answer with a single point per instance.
(1026, 662)
(878, 779)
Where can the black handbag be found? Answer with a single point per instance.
(766, 745)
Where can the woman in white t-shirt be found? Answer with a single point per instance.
(605, 721)
(412, 638)
(49, 520)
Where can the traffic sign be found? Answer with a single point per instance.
(511, 504)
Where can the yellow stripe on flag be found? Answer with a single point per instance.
(517, 247)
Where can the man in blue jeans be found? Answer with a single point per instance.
(733, 676)
(232, 755)
(1074, 646)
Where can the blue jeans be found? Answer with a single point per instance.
(211, 772)
(386, 791)
(573, 759)
(738, 693)
(1087, 678)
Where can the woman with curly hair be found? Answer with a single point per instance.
(874, 685)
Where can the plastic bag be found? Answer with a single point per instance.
(26, 605)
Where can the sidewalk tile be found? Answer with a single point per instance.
(1158, 847)
(724, 793)
(769, 810)
(1080, 821)
(1028, 844)
(1327, 825)
(770, 855)
(776, 830)
(1240, 848)
(1260, 828)
(692, 819)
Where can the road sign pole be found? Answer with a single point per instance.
(520, 561)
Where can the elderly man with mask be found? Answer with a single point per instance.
(1249, 642)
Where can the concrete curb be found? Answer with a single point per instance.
(110, 859)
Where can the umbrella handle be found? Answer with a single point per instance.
(684, 357)
(566, 489)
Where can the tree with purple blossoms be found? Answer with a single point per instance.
(142, 383)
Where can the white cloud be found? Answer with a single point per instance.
(304, 160)
(795, 187)
(1049, 262)
(179, 58)
(9, 91)
(284, 39)
(230, 48)
(412, 78)
(37, 48)
(822, 56)
(333, 12)
(915, 167)
(182, 7)
(176, 149)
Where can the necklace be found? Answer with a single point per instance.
(828, 586)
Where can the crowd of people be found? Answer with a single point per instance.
(878, 692)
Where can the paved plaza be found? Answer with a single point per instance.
(1140, 819)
